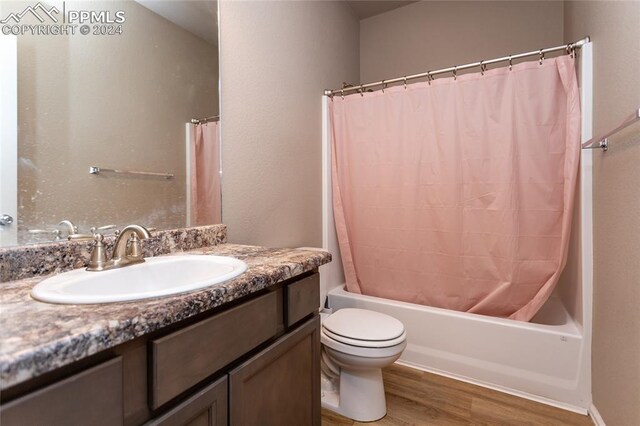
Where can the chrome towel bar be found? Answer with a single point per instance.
(95, 170)
(603, 140)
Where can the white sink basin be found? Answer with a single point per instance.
(158, 276)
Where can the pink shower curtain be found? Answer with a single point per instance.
(205, 175)
(459, 194)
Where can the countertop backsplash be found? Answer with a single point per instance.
(22, 262)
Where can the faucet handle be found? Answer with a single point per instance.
(54, 232)
(95, 229)
(134, 249)
(98, 260)
(82, 237)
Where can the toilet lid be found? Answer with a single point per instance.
(361, 324)
(328, 336)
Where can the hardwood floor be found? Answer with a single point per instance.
(415, 397)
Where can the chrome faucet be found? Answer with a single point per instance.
(126, 250)
(57, 232)
(71, 228)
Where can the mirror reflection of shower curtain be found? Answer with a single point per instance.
(459, 193)
(205, 188)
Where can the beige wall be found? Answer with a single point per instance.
(439, 34)
(615, 30)
(115, 102)
(276, 60)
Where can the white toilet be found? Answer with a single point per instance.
(356, 344)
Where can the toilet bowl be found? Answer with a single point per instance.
(356, 345)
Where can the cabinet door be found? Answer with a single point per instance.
(280, 385)
(207, 407)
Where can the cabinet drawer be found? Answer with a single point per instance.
(207, 407)
(303, 298)
(92, 397)
(184, 358)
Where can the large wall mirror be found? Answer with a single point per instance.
(109, 117)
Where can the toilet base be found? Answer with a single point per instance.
(360, 395)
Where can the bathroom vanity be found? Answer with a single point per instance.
(244, 352)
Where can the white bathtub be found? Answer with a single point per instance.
(542, 360)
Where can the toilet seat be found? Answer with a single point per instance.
(363, 333)
(363, 327)
(365, 343)
(361, 351)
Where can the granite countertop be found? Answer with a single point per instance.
(37, 337)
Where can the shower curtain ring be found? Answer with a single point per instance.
(342, 93)
(429, 77)
(570, 50)
(510, 63)
(455, 73)
(483, 67)
(405, 83)
(361, 90)
(541, 56)
(383, 86)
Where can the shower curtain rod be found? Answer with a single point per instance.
(205, 120)
(569, 48)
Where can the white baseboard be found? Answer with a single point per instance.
(596, 418)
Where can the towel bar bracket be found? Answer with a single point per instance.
(604, 145)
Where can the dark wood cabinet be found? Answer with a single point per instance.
(256, 362)
(92, 397)
(208, 407)
(280, 385)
